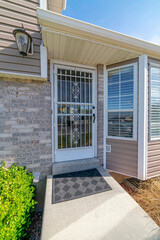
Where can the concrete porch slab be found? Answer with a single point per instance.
(111, 215)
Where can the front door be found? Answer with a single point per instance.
(75, 113)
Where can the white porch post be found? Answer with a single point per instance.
(105, 119)
(143, 117)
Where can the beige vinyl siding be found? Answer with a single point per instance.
(55, 5)
(123, 157)
(14, 13)
(134, 60)
(124, 153)
(153, 163)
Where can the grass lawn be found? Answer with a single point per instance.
(148, 197)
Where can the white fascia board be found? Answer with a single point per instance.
(143, 117)
(90, 28)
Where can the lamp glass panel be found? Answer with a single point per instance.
(22, 42)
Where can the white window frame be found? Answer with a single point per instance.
(151, 64)
(134, 138)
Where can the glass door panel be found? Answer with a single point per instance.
(74, 108)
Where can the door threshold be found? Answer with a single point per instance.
(74, 165)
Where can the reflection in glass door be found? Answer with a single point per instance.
(74, 107)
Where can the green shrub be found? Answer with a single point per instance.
(16, 202)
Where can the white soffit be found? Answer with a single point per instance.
(76, 50)
(76, 41)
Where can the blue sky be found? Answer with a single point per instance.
(137, 18)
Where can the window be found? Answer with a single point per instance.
(121, 102)
(154, 102)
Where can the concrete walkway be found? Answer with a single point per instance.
(111, 215)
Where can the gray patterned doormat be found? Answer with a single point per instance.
(74, 185)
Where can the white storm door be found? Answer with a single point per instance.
(75, 113)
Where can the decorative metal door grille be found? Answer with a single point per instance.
(74, 108)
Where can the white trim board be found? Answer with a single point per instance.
(71, 64)
(43, 59)
(143, 117)
(104, 117)
(22, 76)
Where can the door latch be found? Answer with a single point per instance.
(94, 117)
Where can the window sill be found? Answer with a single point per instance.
(154, 140)
(122, 138)
(21, 76)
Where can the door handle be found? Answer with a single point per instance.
(94, 117)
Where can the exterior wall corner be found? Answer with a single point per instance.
(143, 117)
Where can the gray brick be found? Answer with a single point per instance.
(25, 124)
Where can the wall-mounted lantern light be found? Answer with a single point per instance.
(24, 41)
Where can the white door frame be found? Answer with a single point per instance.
(54, 63)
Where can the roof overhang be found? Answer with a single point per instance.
(72, 40)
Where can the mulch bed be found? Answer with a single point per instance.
(128, 189)
(35, 227)
(147, 196)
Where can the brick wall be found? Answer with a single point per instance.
(100, 110)
(25, 124)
